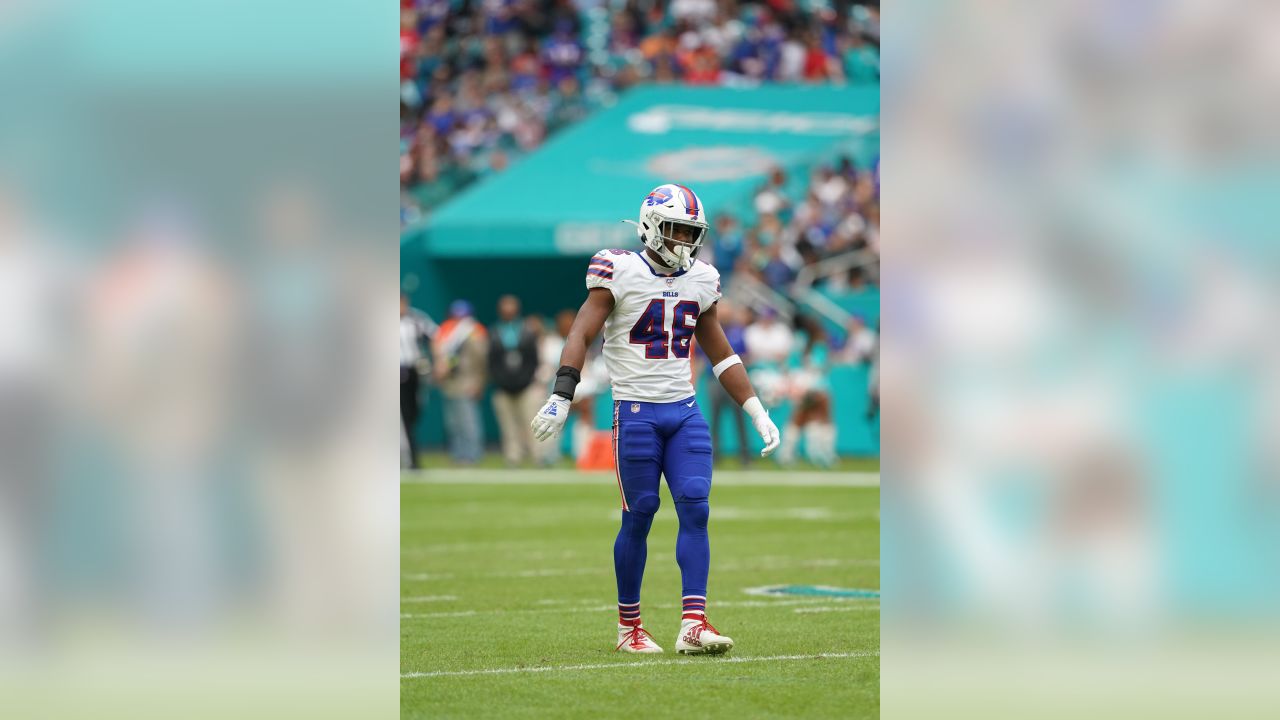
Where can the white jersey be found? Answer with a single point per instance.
(647, 336)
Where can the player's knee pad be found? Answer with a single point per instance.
(645, 505)
(692, 489)
(636, 522)
(693, 513)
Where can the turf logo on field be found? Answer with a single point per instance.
(812, 591)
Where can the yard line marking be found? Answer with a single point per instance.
(428, 598)
(603, 666)
(606, 608)
(765, 564)
(828, 608)
(767, 603)
(538, 572)
(459, 613)
(550, 572)
(426, 576)
(473, 476)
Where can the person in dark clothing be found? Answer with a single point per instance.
(415, 328)
(513, 362)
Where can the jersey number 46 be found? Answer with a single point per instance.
(650, 330)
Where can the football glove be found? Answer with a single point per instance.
(768, 431)
(550, 419)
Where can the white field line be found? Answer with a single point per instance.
(816, 562)
(428, 598)
(536, 573)
(828, 608)
(532, 573)
(510, 549)
(643, 663)
(606, 608)
(549, 572)
(473, 476)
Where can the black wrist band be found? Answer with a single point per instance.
(567, 379)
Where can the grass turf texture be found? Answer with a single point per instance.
(517, 579)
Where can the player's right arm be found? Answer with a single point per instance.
(586, 326)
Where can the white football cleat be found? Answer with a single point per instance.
(635, 639)
(698, 637)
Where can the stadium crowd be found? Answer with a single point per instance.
(482, 83)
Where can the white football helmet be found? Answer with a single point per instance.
(665, 210)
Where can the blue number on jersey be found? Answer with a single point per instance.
(680, 331)
(649, 331)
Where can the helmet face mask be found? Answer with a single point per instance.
(682, 240)
(672, 226)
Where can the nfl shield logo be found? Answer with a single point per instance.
(671, 281)
(635, 407)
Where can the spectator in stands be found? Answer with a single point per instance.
(873, 387)
(859, 61)
(771, 198)
(818, 65)
(570, 106)
(460, 347)
(561, 54)
(767, 339)
(699, 62)
(812, 417)
(777, 273)
(857, 279)
(513, 361)
(693, 11)
(550, 343)
(860, 342)
(624, 33)
(728, 244)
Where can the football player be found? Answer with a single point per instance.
(650, 304)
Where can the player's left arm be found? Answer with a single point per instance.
(712, 339)
(731, 373)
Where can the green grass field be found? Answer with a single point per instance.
(508, 598)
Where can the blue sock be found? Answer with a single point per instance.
(629, 553)
(693, 549)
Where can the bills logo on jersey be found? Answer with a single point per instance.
(660, 196)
